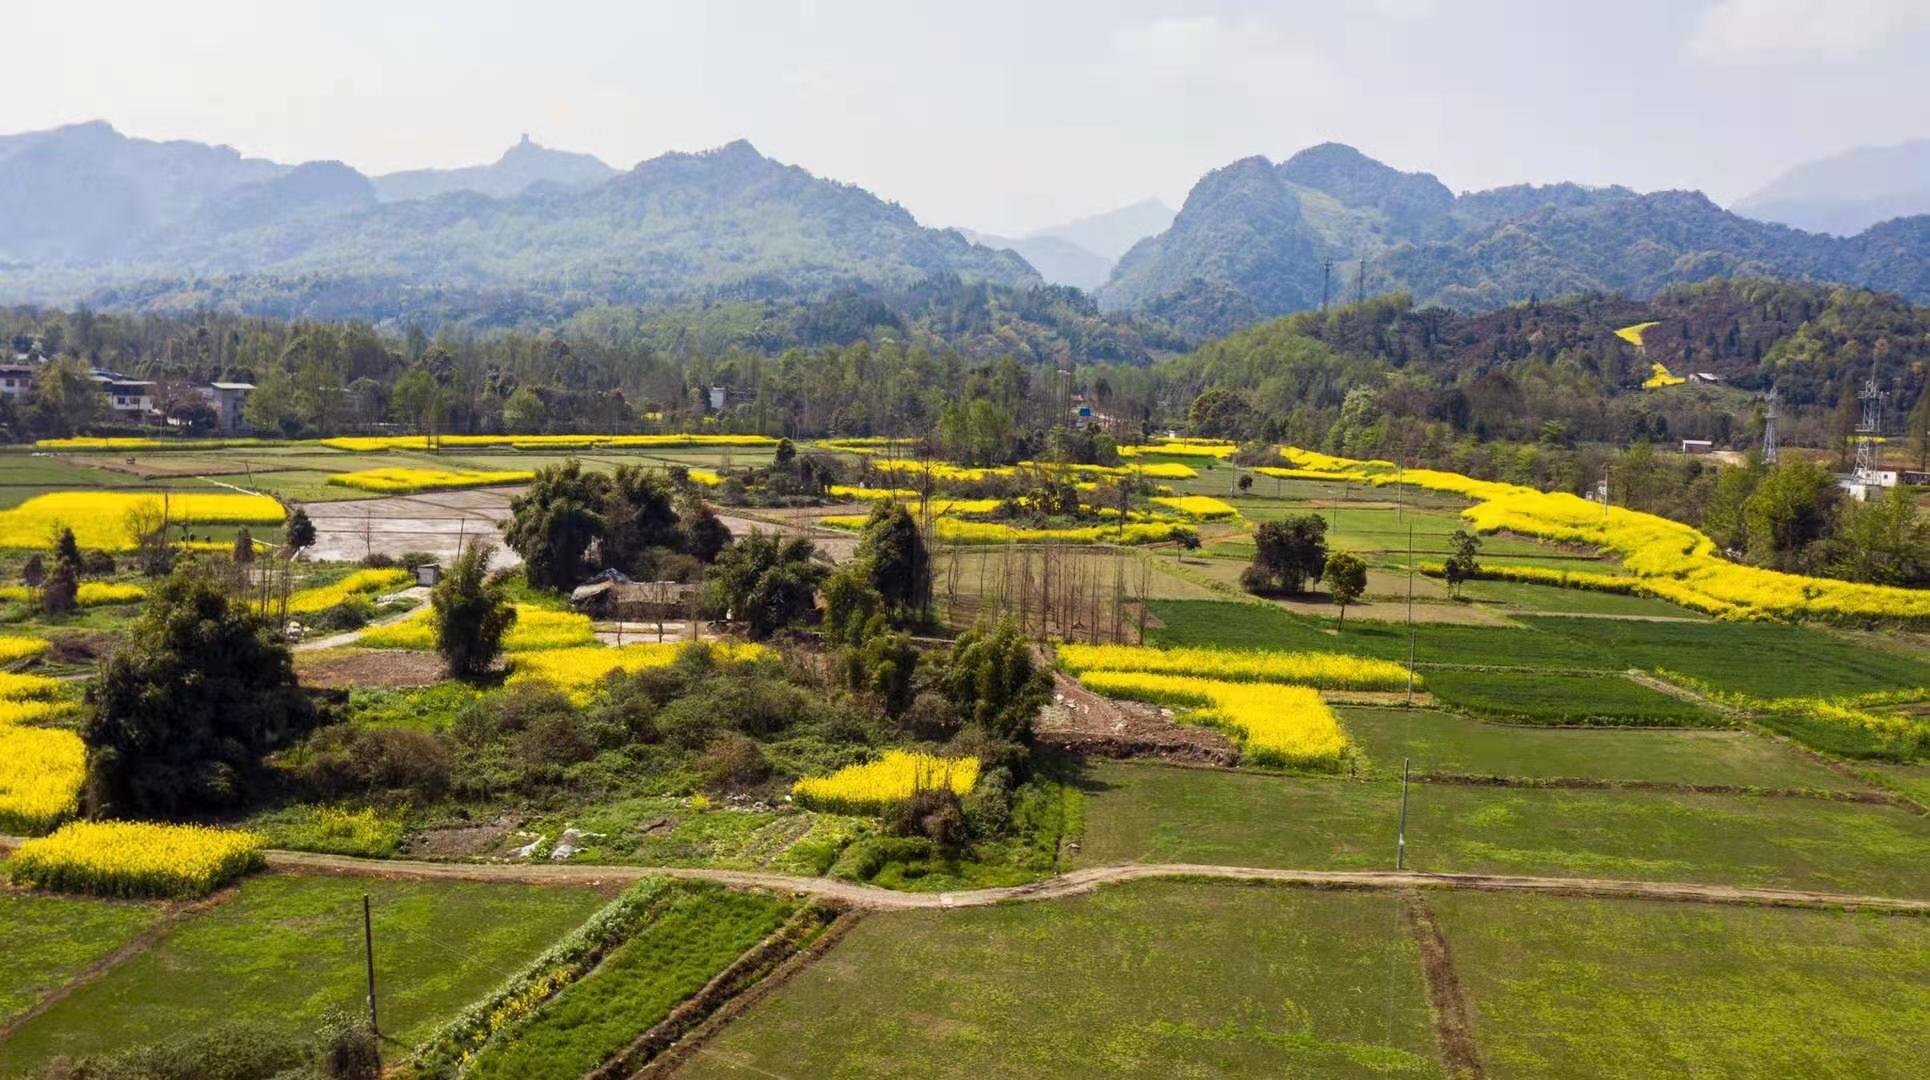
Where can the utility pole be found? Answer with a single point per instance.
(1410, 613)
(368, 953)
(1771, 444)
(1400, 838)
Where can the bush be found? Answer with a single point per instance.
(934, 813)
(988, 809)
(471, 614)
(353, 761)
(98, 563)
(232, 1051)
(376, 560)
(733, 761)
(351, 614)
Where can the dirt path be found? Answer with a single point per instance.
(417, 592)
(1080, 882)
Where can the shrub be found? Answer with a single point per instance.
(230, 1051)
(934, 813)
(732, 760)
(991, 678)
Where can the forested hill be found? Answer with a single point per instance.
(319, 240)
(1253, 238)
(1513, 372)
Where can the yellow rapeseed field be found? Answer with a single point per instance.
(390, 481)
(360, 583)
(1203, 507)
(1314, 461)
(1675, 561)
(1277, 724)
(1329, 671)
(577, 670)
(136, 859)
(1633, 334)
(872, 788)
(41, 772)
(1660, 376)
(1213, 448)
(371, 443)
(90, 593)
(89, 442)
(1310, 474)
(535, 628)
(98, 518)
(14, 647)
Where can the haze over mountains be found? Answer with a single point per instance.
(1082, 253)
(90, 215)
(1847, 193)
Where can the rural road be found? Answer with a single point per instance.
(1080, 882)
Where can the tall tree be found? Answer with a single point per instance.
(639, 514)
(1346, 580)
(1287, 554)
(896, 561)
(182, 713)
(766, 582)
(472, 614)
(553, 522)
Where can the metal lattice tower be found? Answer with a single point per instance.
(1771, 450)
(1870, 428)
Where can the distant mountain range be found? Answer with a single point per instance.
(90, 215)
(1082, 253)
(521, 167)
(1849, 192)
(1254, 240)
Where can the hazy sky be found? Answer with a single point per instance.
(996, 114)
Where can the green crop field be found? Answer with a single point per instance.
(285, 948)
(1155, 979)
(1765, 659)
(1151, 813)
(47, 940)
(1527, 596)
(1587, 988)
(703, 930)
(1442, 742)
(1606, 698)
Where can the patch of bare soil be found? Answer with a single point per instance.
(1453, 1020)
(388, 669)
(460, 841)
(1084, 722)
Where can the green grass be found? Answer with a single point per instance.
(285, 948)
(1912, 780)
(1564, 699)
(1154, 979)
(1764, 659)
(1531, 597)
(46, 940)
(1149, 813)
(430, 708)
(1586, 988)
(636, 986)
(1439, 741)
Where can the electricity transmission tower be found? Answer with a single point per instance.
(1870, 428)
(1326, 281)
(1770, 442)
(1360, 283)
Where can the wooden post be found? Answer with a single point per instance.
(368, 954)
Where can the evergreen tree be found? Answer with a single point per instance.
(472, 614)
(895, 560)
(186, 709)
(553, 522)
(301, 531)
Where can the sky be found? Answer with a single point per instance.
(998, 115)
